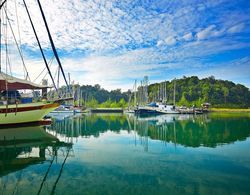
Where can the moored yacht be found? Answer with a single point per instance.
(16, 109)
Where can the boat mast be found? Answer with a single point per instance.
(38, 42)
(174, 92)
(1, 40)
(135, 95)
(52, 43)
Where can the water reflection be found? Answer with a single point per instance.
(93, 153)
(23, 147)
(186, 130)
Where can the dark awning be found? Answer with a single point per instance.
(14, 83)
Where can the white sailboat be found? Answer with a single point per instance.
(13, 108)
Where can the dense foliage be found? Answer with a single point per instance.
(189, 91)
(194, 91)
(95, 96)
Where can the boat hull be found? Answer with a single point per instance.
(142, 111)
(154, 111)
(25, 113)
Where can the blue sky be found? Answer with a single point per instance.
(115, 42)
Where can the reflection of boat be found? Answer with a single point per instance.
(25, 135)
(15, 143)
(187, 130)
(62, 109)
(162, 119)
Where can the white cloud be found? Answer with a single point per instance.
(209, 32)
(205, 33)
(160, 43)
(188, 36)
(124, 40)
(171, 40)
(236, 28)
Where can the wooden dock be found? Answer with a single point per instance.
(106, 110)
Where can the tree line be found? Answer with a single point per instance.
(189, 91)
(194, 91)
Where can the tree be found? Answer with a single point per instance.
(122, 103)
(93, 103)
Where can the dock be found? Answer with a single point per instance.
(106, 110)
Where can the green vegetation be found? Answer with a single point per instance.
(189, 91)
(194, 91)
(231, 110)
(97, 97)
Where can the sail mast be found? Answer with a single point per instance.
(0, 41)
(38, 42)
(174, 92)
(52, 43)
(135, 104)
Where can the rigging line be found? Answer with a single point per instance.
(50, 63)
(2, 4)
(55, 75)
(58, 78)
(7, 50)
(27, 74)
(44, 58)
(18, 28)
(6, 46)
(46, 75)
(52, 44)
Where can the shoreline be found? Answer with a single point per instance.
(230, 110)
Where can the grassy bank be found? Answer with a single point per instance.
(230, 110)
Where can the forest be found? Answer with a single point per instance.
(189, 91)
(194, 91)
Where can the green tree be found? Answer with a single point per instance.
(122, 103)
(93, 103)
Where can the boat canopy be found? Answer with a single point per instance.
(14, 83)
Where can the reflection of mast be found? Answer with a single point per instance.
(147, 137)
(45, 177)
(135, 129)
(48, 170)
(15, 191)
(130, 128)
(60, 173)
(144, 140)
(129, 125)
(174, 135)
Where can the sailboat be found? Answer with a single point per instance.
(131, 109)
(14, 108)
(158, 108)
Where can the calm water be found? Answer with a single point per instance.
(122, 154)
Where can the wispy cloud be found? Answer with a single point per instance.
(236, 28)
(113, 42)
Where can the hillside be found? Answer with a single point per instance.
(194, 91)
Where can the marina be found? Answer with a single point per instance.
(93, 148)
(124, 97)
